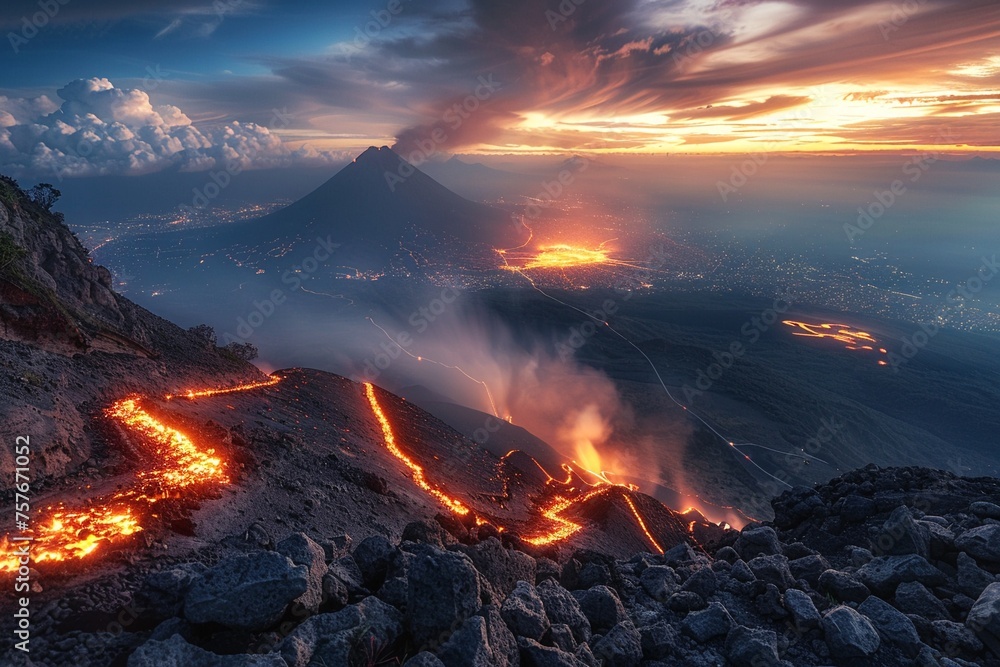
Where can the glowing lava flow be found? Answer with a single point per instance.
(853, 339)
(205, 393)
(418, 472)
(177, 463)
(562, 256)
(642, 524)
(564, 527)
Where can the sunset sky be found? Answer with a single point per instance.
(138, 86)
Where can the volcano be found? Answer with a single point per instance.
(381, 199)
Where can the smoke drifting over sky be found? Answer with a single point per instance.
(683, 75)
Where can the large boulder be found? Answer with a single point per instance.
(972, 580)
(757, 541)
(524, 612)
(747, 647)
(175, 652)
(849, 634)
(901, 535)
(772, 570)
(913, 598)
(621, 647)
(501, 567)
(442, 591)
(984, 617)
(883, 574)
(334, 638)
(802, 609)
(842, 586)
(982, 543)
(709, 623)
(562, 607)
(162, 593)
(659, 581)
(303, 551)
(893, 626)
(534, 654)
(809, 568)
(373, 556)
(246, 592)
(602, 607)
(470, 646)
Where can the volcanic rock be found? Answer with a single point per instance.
(162, 594)
(524, 612)
(984, 617)
(985, 510)
(332, 637)
(373, 556)
(883, 574)
(748, 647)
(849, 634)
(502, 568)
(602, 608)
(842, 586)
(303, 551)
(971, 579)
(892, 625)
(757, 541)
(803, 610)
(562, 607)
(659, 581)
(176, 651)
(468, 646)
(901, 535)
(621, 647)
(772, 570)
(982, 543)
(443, 591)
(709, 623)
(914, 598)
(809, 568)
(658, 640)
(424, 659)
(249, 592)
(534, 654)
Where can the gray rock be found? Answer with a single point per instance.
(658, 640)
(346, 571)
(585, 657)
(982, 543)
(303, 551)
(162, 593)
(332, 637)
(746, 647)
(427, 531)
(741, 572)
(686, 601)
(768, 603)
(857, 508)
(942, 539)
(175, 652)
(246, 592)
(803, 610)
(842, 586)
(394, 591)
(727, 554)
(337, 547)
(809, 568)
(757, 541)
(901, 535)
(442, 591)
(772, 570)
(524, 612)
(594, 574)
(682, 554)
(469, 646)
(849, 634)
(502, 567)
(621, 647)
(534, 654)
(914, 598)
(703, 582)
(985, 510)
(709, 623)
(373, 556)
(424, 659)
(561, 636)
(602, 608)
(860, 556)
(503, 644)
(562, 607)
(971, 579)
(984, 617)
(892, 625)
(883, 574)
(659, 581)
(951, 636)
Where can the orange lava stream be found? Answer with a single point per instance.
(853, 339)
(418, 472)
(179, 463)
(564, 527)
(204, 393)
(642, 524)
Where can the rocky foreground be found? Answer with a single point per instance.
(908, 577)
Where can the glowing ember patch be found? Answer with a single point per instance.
(417, 472)
(563, 257)
(177, 463)
(853, 339)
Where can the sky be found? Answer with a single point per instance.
(141, 86)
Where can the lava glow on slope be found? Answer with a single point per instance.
(563, 256)
(572, 492)
(852, 338)
(176, 462)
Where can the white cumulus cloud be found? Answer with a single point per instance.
(99, 129)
